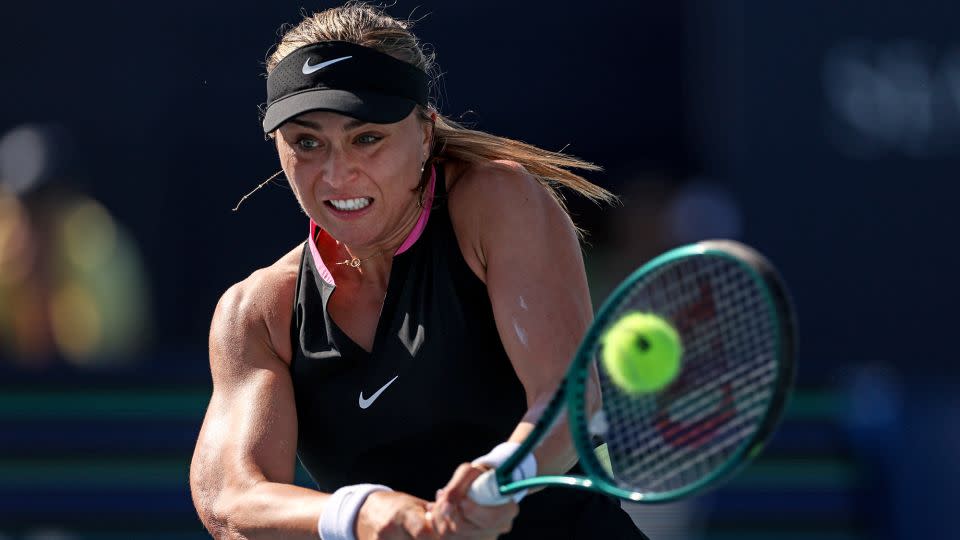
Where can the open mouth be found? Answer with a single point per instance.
(350, 205)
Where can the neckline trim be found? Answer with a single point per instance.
(406, 245)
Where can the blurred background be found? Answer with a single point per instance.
(824, 133)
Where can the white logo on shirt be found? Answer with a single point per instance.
(364, 403)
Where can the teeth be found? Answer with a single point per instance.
(351, 204)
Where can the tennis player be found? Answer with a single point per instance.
(414, 338)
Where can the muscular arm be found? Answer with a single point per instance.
(243, 464)
(529, 256)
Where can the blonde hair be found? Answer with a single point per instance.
(360, 23)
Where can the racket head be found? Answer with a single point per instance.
(737, 326)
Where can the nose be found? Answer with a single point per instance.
(338, 169)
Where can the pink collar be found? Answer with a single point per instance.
(407, 244)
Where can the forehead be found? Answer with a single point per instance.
(332, 121)
(325, 120)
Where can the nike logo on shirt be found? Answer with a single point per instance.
(308, 69)
(364, 403)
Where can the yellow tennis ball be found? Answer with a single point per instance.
(641, 353)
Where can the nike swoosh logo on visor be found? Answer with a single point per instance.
(364, 403)
(308, 69)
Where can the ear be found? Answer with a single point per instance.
(428, 129)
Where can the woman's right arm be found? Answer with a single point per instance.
(244, 463)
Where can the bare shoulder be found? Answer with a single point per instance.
(259, 308)
(500, 200)
(479, 183)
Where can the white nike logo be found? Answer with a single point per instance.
(308, 69)
(364, 403)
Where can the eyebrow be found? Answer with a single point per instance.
(354, 123)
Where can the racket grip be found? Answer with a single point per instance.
(486, 492)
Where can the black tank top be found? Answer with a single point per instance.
(436, 390)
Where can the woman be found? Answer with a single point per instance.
(427, 320)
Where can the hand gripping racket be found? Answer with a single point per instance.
(736, 325)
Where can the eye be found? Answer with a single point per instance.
(306, 143)
(369, 138)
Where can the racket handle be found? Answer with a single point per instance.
(485, 490)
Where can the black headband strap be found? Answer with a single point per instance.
(343, 77)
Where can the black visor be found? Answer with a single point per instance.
(345, 78)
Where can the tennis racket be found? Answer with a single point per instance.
(735, 320)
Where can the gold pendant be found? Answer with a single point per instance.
(354, 262)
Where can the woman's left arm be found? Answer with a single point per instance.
(535, 276)
(525, 248)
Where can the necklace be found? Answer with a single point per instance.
(354, 262)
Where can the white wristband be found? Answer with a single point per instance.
(526, 469)
(340, 512)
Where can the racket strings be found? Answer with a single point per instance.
(680, 435)
(655, 463)
(686, 408)
(647, 457)
(686, 421)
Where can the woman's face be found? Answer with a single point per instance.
(356, 180)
